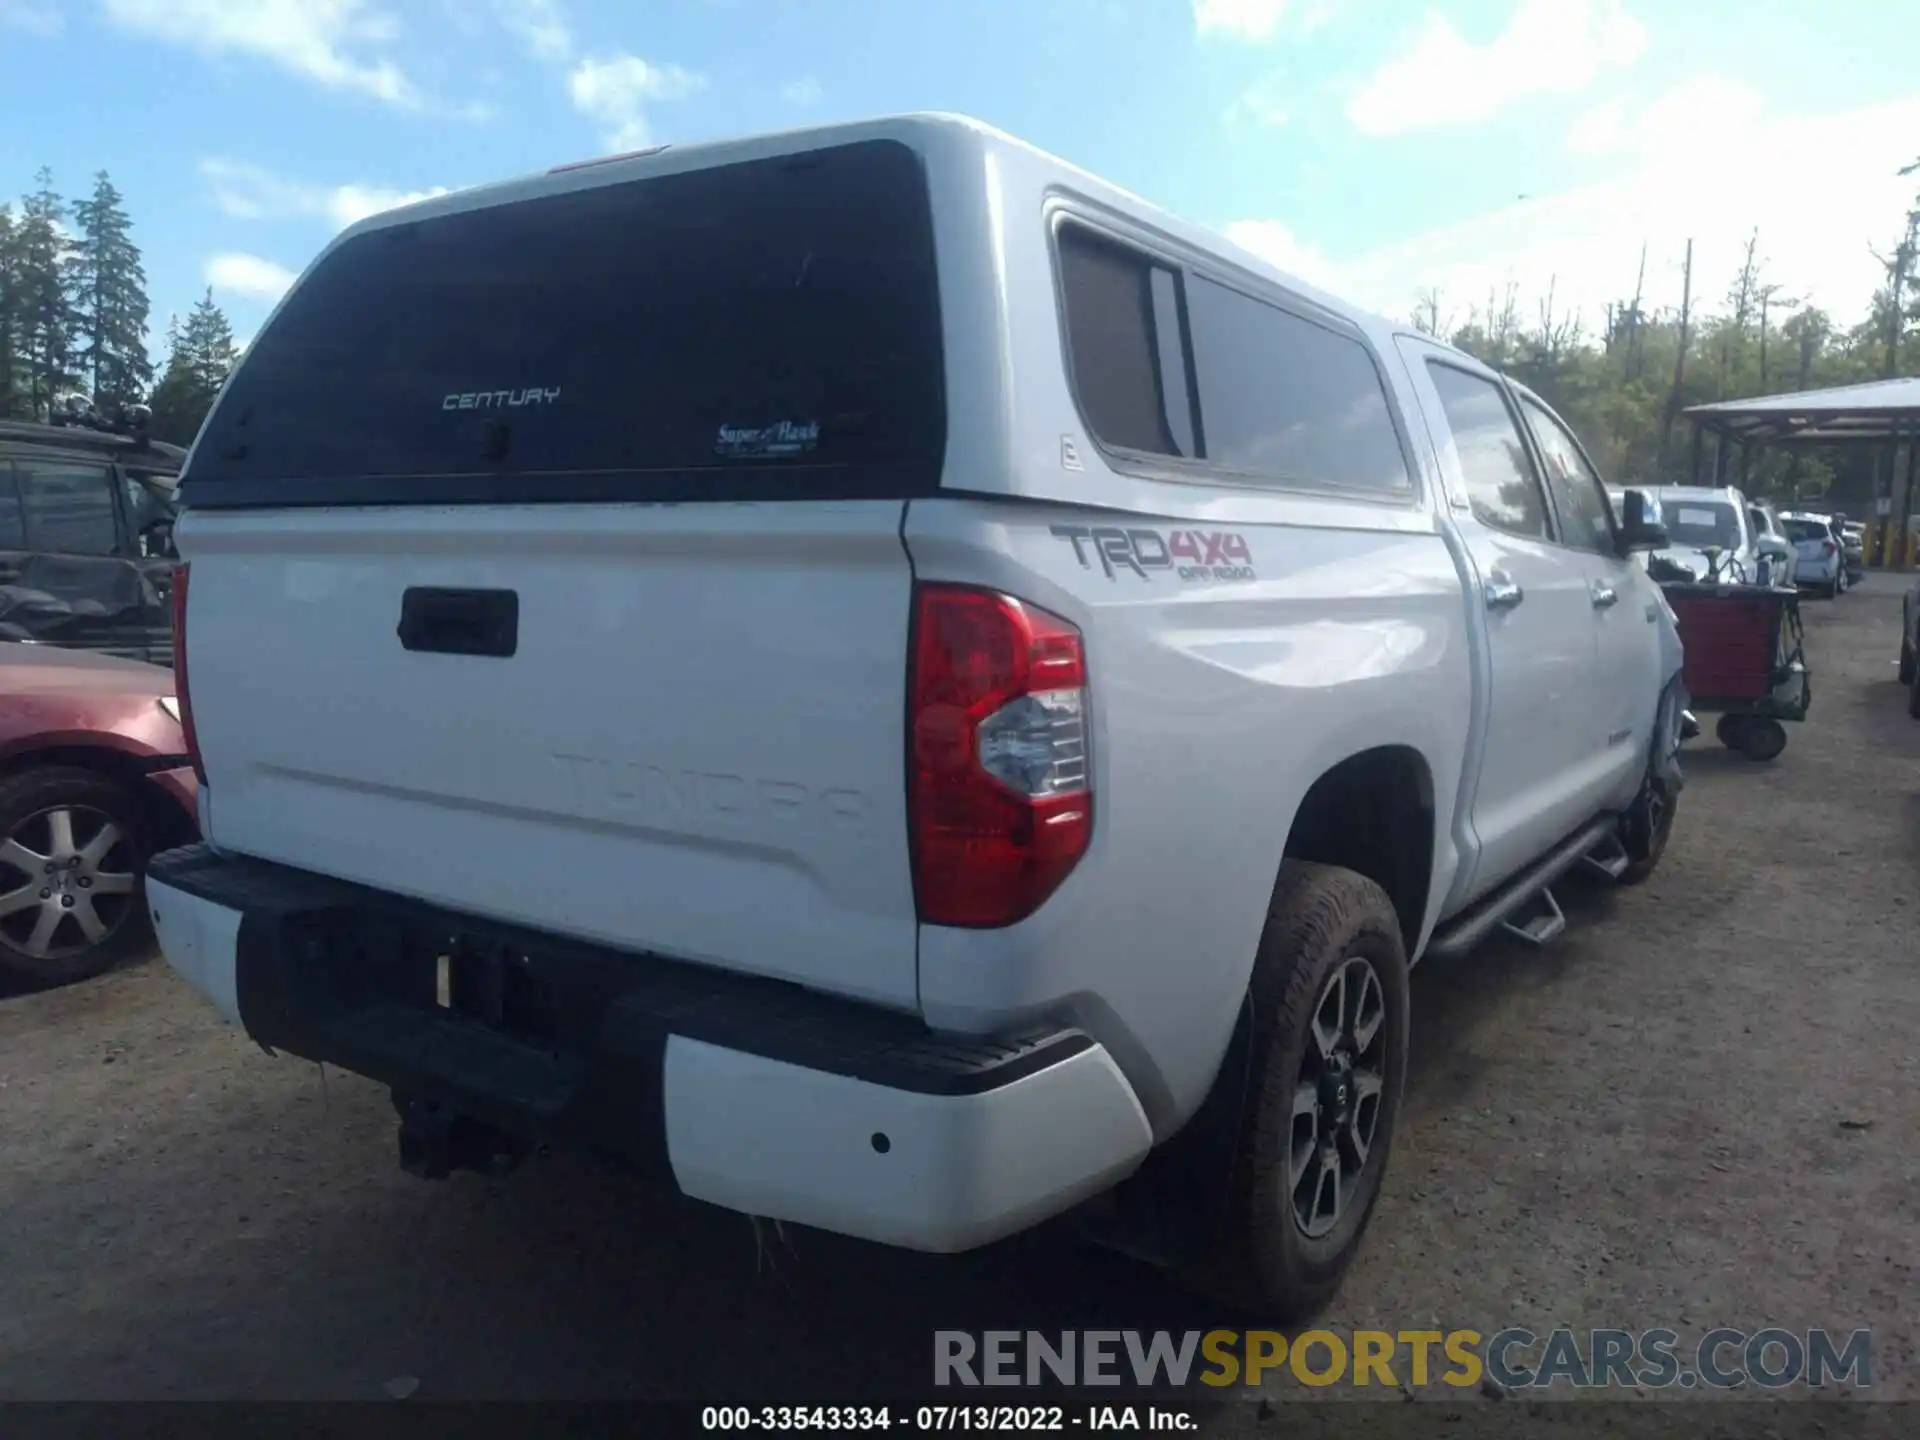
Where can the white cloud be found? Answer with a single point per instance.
(1265, 104)
(1819, 188)
(248, 192)
(1243, 20)
(35, 17)
(1704, 112)
(1601, 130)
(1239, 19)
(1279, 246)
(541, 26)
(804, 92)
(249, 276)
(614, 92)
(333, 42)
(1547, 47)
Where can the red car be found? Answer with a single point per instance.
(94, 779)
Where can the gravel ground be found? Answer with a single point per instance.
(1699, 1108)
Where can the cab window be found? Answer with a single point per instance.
(1586, 519)
(1501, 485)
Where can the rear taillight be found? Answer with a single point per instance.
(998, 786)
(180, 691)
(1826, 547)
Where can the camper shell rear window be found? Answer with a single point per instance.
(763, 330)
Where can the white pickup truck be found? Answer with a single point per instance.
(892, 684)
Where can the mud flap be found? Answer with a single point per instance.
(1173, 1209)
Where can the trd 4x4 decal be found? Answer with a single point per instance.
(1189, 554)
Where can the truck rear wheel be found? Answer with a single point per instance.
(1328, 1061)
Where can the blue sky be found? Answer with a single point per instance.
(1374, 146)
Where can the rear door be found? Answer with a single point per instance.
(1540, 767)
(1627, 672)
(545, 563)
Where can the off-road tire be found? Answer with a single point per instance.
(32, 791)
(1320, 917)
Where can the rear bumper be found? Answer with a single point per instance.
(750, 1094)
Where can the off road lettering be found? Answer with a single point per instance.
(1189, 554)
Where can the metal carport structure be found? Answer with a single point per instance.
(1883, 413)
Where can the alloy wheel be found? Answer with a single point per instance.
(67, 882)
(1337, 1096)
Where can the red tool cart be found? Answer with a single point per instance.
(1745, 660)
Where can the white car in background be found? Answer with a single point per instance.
(1819, 552)
(1716, 534)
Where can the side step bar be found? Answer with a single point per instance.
(1608, 860)
(1474, 925)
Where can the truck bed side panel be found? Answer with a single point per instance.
(1215, 706)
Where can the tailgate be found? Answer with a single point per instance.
(669, 417)
(695, 747)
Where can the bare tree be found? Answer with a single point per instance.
(1770, 298)
(1503, 322)
(1557, 336)
(1679, 360)
(1634, 318)
(1746, 288)
(1426, 314)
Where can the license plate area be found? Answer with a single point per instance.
(495, 985)
(548, 998)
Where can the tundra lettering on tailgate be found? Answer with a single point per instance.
(704, 802)
(1188, 554)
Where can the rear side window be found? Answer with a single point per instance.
(1501, 485)
(1123, 336)
(1290, 400)
(1176, 364)
(768, 329)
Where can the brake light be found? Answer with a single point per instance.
(999, 795)
(180, 690)
(1826, 547)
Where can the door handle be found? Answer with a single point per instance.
(1604, 595)
(460, 622)
(1502, 592)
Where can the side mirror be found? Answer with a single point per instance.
(1772, 547)
(1638, 530)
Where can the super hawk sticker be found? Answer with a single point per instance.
(1190, 554)
(757, 442)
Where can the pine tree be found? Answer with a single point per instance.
(208, 337)
(110, 295)
(200, 356)
(43, 281)
(12, 405)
